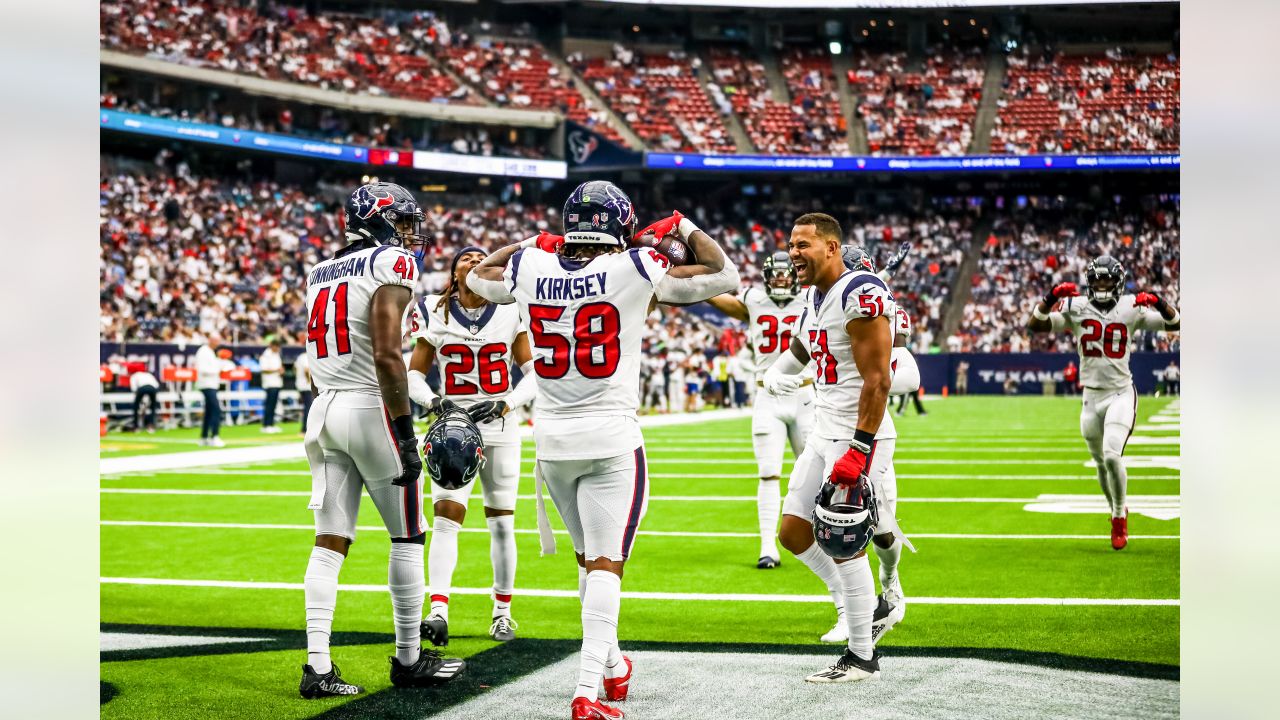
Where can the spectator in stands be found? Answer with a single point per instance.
(272, 380)
(302, 383)
(208, 380)
(144, 386)
(1070, 378)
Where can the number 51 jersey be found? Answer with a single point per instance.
(586, 323)
(1102, 337)
(339, 295)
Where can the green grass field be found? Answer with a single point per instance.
(218, 552)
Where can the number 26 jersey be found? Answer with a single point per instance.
(1102, 337)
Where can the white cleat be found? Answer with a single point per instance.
(839, 633)
(849, 668)
(216, 442)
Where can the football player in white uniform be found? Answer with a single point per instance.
(847, 331)
(1102, 326)
(475, 341)
(584, 298)
(360, 431)
(770, 314)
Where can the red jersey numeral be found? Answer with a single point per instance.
(822, 360)
(404, 267)
(871, 305)
(659, 258)
(595, 325)
(1111, 340)
(494, 375)
(773, 339)
(318, 329)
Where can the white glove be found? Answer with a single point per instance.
(779, 384)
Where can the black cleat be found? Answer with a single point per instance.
(436, 630)
(849, 668)
(314, 685)
(767, 563)
(430, 669)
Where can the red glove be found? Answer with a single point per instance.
(1059, 291)
(852, 466)
(1146, 299)
(663, 227)
(548, 242)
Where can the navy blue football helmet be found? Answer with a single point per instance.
(845, 518)
(1104, 280)
(857, 259)
(780, 279)
(597, 214)
(385, 214)
(454, 449)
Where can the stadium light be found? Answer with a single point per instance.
(891, 23)
(835, 47)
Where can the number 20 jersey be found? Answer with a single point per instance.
(339, 295)
(821, 330)
(586, 323)
(1102, 337)
(770, 325)
(474, 355)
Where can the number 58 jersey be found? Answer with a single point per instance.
(339, 295)
(1102, 337)
(585, 323)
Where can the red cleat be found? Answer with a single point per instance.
(615, 689)
(1120, 531)
(586, 709)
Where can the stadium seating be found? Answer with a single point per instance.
(1110, 102)
(919, 113)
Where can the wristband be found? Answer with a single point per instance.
(863, 440)
(686, 228)
(403, 428)
(1035, 313)
(1176, 319)
(1050, 299)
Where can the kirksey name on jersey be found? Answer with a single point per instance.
(821, 330)
(1102, 337)
(770, 325)
(474, 355)
(339, 294)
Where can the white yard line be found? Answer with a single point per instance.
(652, 533)
(665, 596)
(685, 476)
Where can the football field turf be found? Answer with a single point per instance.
(1016, 601)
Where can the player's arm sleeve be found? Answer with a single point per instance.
(419, 391)
(1058, 319)
(867, 296)
(525, 390)
(906, 374)
(485, 281)
(696, 288)
(390, 265)
(1151, 319)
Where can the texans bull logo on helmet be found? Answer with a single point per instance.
(367, 202)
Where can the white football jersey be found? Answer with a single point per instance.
(585, 329)
(1102, 337)
(770, 325)
(339, 296)
(474, 355)
(901, 324)
(821, 330)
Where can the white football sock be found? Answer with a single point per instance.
(502, 554)
(1114, 440)
(441, 562)
(889, 558)
(825, 568)
(1100, 461)
(320, 588)
(768, 507)
(615, 655)
(859, 603)
(600, 609)
(404, 578)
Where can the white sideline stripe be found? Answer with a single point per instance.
(672, 498)
(686, 476)
(652, 533)
(633, 595)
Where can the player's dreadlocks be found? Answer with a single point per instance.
(453, 287)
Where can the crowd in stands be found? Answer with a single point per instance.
(1113, 102)
(929, 112)
(1031, 248)
(337, 126)
(659, 96)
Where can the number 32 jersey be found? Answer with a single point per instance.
(586, 323)
(821, 330)
(339, 295)
(474, 355)
(770, 325)
(1102, 337)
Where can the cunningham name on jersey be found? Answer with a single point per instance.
(821, 330)
(1102, 337)
(339, 295)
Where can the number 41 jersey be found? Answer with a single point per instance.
(1102, 337)
(586, 323)
(339, 295)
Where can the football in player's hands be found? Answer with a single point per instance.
(662, 236)
(1146, 299)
